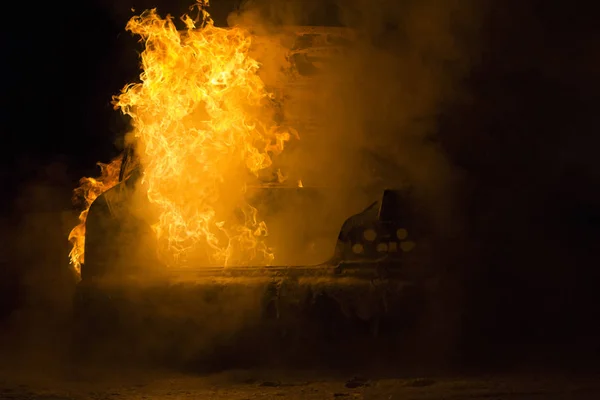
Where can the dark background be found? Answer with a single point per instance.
(525, 138)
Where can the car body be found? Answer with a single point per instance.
(374, 264)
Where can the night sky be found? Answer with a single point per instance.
(526, 137)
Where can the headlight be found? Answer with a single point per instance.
(382, 247)
(370, 235)
(358, 248)
(401, 233)
(407, 246)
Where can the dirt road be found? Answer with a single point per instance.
(240, 385)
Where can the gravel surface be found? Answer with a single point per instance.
(265, 385)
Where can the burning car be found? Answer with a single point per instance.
(372, 268)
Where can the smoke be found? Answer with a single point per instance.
(375, 108)
(373, 116)
(374, 119)
(375, 123)
(37, 284)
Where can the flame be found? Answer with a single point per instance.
(205, 129)
(85, 194)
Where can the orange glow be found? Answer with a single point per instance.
(204, 128)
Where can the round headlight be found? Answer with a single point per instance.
(407, 246)
(382, 247)
(401, 233)
(358, 248)
(370, 235)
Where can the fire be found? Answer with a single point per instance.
(205, 130)
(204, 127)
(86, 193)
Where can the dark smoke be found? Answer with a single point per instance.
(489, 119)
(378, 127)
(379, 112)
(39, 283)
(379, 116)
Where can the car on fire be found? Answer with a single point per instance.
(380, 256)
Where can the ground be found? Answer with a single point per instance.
(241, 385)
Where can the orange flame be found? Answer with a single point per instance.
(204, 127)
(85, 194)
